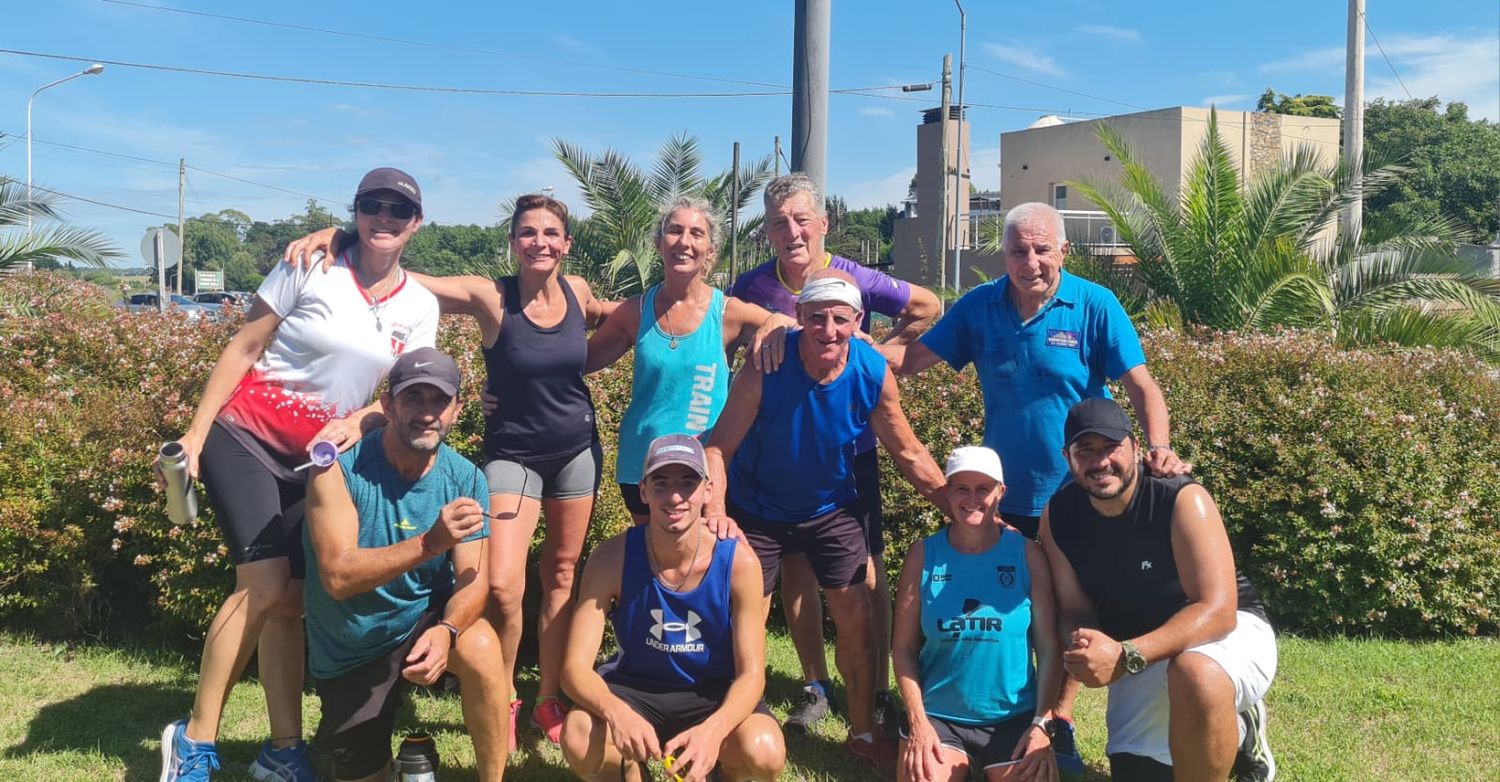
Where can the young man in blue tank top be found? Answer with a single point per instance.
(686, 683)
(785, 446)
(1153, 607)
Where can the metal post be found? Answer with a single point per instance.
(1354, 116)
(89, 71)
(810, 90)
(961, 196)
(734, 215)
(776, 157)
(942, 243)
(159, 247)
(181, 226)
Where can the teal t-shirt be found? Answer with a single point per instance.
(976, 660)
(344, 634)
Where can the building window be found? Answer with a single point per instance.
(1059, 197)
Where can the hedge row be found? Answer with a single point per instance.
(1359, 487)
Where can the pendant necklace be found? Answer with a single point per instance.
(377, 305)
(671, 332)
(686, 574)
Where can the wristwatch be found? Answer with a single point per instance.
(1048, 727)
(1135, 662)
(452, 632)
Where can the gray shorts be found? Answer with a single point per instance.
(560, 478)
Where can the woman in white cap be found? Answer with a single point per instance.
(301, 369)
(682, 331)
(975, 647)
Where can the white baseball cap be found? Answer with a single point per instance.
(975, 458)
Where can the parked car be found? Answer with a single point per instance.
(146, 302)
(238, 298)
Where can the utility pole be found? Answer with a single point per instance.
(810, 90)
(181, 237)
(1354, 116)
(776, 157)
(961, 193)
(734, 215)
(942, 243)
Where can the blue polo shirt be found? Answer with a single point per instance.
(1031, 373)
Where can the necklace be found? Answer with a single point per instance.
(671, 332)
(376, 303)
(686, 574)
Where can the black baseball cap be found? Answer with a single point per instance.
(1099, 416)
(391, 179)
(425, 365)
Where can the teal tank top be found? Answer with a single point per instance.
(976, 621)
(676, 390)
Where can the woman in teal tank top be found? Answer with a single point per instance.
(682, 330)
(975, 643)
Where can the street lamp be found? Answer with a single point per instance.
(89, 71)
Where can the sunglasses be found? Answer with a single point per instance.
(401, 210)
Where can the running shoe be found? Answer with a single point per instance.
(1254, 762)
(1065, 748)
(888, 714)
(812, 708)
(185, 760)
(548, 716)
(288, 764)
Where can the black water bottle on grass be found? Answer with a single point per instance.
(417, 761)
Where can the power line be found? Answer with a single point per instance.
(1055, 87)
(430, 45)
(1366, 20)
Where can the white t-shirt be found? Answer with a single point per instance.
(333, 348)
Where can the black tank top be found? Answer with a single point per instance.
(1125, 563)
(544, 410)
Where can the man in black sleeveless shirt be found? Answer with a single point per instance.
(1152, 606)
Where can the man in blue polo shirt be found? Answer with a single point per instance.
(1042, 340)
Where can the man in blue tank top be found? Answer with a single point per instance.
(1152, 606)
(785, 445)
(685, 686)
(395, 587)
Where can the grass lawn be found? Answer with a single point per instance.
(1340, 710)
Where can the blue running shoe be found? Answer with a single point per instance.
(185, 760)
(1065, 748)
(289, 764)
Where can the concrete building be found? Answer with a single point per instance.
(1038, 162)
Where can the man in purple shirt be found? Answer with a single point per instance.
(796, 223)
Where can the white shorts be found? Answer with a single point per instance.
(1138, 712)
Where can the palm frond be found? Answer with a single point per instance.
(676, 170)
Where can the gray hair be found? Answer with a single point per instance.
(706, 210)
(1033, 213)
(784, 187)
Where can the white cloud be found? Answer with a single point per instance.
(1029, 59)
(1315, 60)
(878, 192)
(876, 111)
(1224, 100)
(1108, 31)
(1452, 68)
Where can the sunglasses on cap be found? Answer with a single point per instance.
(401, 210)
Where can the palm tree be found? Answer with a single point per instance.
(625, 200)
(1264, 254)
(19, 247)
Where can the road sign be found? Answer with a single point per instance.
(163, 241)
(208, 281)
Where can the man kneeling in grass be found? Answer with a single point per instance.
(1154, 608)
(395, 587)
(687, 681)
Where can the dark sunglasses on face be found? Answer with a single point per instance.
(400, 210)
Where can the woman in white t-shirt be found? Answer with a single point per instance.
(302, 368)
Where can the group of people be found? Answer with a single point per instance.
(408, 561)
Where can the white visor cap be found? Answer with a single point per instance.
(975, 458)
(832, 289)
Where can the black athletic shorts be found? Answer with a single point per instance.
(833, 543)
(359, 708)
(985, 745)
(868, 507)
(672, 711)
(1030, 526)
(631, 494)
(259, 514)
(1125, 767)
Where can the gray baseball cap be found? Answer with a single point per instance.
(426, 365)
(681, 449)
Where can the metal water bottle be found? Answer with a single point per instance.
(417, 761)
(182, 503)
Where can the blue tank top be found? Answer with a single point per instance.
(976, 621)
(671, 639)
(797, 461)
(544, 408)
(675, 390)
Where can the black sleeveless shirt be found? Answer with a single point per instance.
(1124, 563)
(544, 407)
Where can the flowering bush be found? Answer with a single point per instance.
(1359, 487)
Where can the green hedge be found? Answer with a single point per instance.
(1360, 488)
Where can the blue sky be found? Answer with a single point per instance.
(1080, 58)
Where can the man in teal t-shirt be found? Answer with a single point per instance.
(396, 584)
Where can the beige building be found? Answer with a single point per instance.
(1038, 162)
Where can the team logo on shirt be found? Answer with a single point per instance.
(979, 625)
(399, 334)
(1061, 338)
(1006, 574)
(689, 629)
